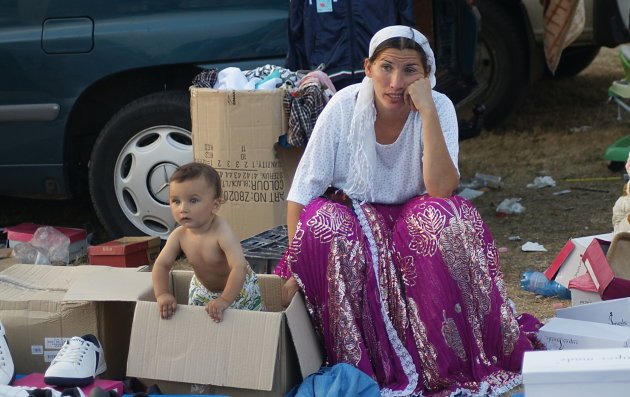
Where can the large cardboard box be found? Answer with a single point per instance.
(568, 263)
(42, 306)
(577, 373)
(563, 333)
(249, 353)
(611, 312)
(237, 133)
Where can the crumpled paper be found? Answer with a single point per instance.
(542, 181)
(510, 206)
(533, 247)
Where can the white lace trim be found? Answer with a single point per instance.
(402, 353)
(483, 389)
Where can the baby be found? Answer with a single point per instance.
(222, 277)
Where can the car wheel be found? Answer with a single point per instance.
(500, 64)
(132, 159)
(575, 59)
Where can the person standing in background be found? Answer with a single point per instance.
(336, 34)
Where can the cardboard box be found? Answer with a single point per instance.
(611, 312)
(568, 263)
(249, 353)
(577, 373)
(6, 258)
(43, 306)
(24, 232)
(237, 132)
(125, 252)
(37, 380)
(563, 333)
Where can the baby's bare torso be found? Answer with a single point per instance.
(207, 259)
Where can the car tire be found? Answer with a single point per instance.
(501, 64)
(574, 60)
(132, 159)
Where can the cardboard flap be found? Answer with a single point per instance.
(111, 284)
(594, 259)
(307, 345)
(552, 270)
(43, 277)
(195, 349)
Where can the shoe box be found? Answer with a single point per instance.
(41, 306)
(577, 373)
(568, 264)
(249, 353)
(560, 333)
(125, 252)
(24, 232)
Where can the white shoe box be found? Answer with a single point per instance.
(564, 334)
(577, 373)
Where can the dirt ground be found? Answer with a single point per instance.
(561, 130)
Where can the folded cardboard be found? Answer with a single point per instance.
(568, 263)
(609, 284)
(563, 333)
(249, 353)
(577, 373)
(125, 252)
(42, 306)
(6, 258)
(36, 380)
(237, 132)
(611, 312)
(24, 232)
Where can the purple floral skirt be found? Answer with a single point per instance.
(413, 295)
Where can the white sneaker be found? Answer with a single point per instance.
(78, 362)
(7, 369)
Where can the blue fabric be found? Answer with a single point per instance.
(339, 39)
(340, 380)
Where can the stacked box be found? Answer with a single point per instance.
(125, 252)
(24, 232)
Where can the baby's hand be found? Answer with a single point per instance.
(215, 308)
(167, 305)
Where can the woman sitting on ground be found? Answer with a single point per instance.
(401, 278)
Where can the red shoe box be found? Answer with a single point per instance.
(125, 252)
(24, 232)
(608, 284)
(37, 380)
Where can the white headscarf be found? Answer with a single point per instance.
(362, 139)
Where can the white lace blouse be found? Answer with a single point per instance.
(399, 165)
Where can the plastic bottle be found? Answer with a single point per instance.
(537, 282)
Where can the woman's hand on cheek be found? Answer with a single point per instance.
(418, 94)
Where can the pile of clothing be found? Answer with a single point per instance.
(306, 94)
